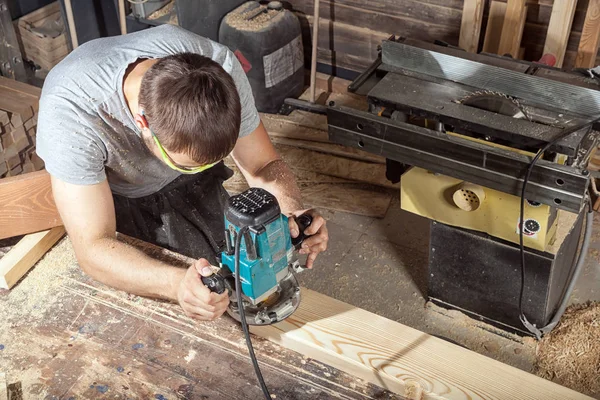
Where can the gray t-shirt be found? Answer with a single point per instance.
(86, 133)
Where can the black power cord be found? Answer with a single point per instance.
(238, 291)
(531, 327)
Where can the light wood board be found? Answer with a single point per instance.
(27, 205)
(359, 171)
(590, 37)
(470, 26)
(330, 148)
(493, 30)
(327, 192)
(559, 29)
(512, 27)
(19, 260)
(399, 358)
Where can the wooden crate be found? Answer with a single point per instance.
(18, 123)
(43, 50)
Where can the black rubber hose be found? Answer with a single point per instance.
(238, 291)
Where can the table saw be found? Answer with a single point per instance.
(462, 129)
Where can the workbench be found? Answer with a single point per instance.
(66, 336)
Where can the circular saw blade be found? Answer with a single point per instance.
(498, 103)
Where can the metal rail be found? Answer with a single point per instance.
(557, 185)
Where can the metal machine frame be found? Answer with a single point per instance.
(429, 90)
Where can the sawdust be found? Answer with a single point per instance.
(570, 355)
(251, 19)
(164, 11)
(30, 298)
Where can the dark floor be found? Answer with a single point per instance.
(380, 265)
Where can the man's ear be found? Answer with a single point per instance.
(141, 122)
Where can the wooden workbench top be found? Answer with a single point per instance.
(65, 336)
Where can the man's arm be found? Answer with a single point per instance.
(89, 216)
(262, 167)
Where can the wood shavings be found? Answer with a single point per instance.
(570, 354)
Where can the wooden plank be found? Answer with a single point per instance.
(401, 359)
(332, 84)
(141, 348)
(291, 128)
(33, 91)
(330, 148)
(341, 167)
(470, 26)
(17, 103)
(404, 11)
(494, 27)
(27, 205)
(559, 29)
(326, 192)
(23, 256)
(350, 198)
(512, 28)
(590, 37)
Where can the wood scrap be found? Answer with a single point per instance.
(23, 256)
(470, 26)
(360, 171)
(512, 27)
(350, 198)
(399, 358)
(326, 192)
(559, 29)
(289, 127)
(330, 148)
(27, 205)
(590, 37)
(494, 27)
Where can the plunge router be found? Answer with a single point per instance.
(268, 260)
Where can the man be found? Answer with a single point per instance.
(133, 130)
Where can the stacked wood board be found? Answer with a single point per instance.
(43, 37)
(18, 121)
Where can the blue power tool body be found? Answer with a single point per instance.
(267, 257)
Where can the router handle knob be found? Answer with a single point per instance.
(303, 222)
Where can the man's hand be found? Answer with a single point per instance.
(317, 242)
(196, 299)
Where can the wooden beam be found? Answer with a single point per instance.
(512, 28)
(19, 260)
(590, 37)
(559, 29)
(27, 205)
(71, 23)
(494, 27)
(470, 25)
(359, 171)
(330, 148)
(399, 358)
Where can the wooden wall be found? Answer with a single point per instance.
(351, 30)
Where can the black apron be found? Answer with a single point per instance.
(186, 216)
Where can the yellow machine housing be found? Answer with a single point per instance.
(431, 196)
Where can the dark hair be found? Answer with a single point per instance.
(192, 105)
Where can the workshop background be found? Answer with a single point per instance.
(379, 253)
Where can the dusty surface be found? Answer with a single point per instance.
(65, 336)
(570, 355)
